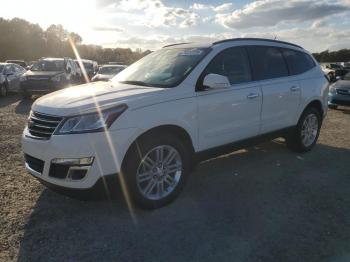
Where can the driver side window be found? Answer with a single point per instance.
(232, 63)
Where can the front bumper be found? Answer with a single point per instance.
(40, 87)
(107, 151)
(338, 100)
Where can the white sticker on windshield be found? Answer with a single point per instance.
(191, 52)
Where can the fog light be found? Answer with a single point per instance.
(86, 161)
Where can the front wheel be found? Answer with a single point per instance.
(156, 170)
(304, 136)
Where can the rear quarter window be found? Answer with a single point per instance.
(267, 62)
(298, 62)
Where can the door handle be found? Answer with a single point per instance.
(252, 95)
(294, 88)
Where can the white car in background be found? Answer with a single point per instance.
(154, 121)
(107, 72)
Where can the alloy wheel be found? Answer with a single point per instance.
(159, 172)
(309, 130)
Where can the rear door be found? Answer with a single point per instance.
(281, 92)
(231, 113)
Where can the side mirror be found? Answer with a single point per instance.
(215, 81)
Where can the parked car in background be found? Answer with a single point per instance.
(347, 66)
(339, 93)
(21, 63)
(48, 75)
(107, 72)
(90, 66)
(178, 105)
(10, 75)
(332, 70)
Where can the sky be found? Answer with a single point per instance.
(317, 25)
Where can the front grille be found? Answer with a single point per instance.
(343, 92)
(34, 163)
(42, 126)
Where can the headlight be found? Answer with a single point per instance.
(56, 78)
(332, 89)
(23, 78)
(93, 122)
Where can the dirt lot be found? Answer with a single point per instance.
(260, 204)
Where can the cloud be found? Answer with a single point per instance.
(223, 8)
(153, 13)
(198, 6)
(218, 9)
(272, 12)
(311, 38)
(107, 29)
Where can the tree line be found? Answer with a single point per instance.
(20, 39)
(342, 55)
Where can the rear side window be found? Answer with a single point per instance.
(267, 62)
(232, 63)
(298, 62)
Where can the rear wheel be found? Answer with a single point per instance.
(304, 136)
(156, 170)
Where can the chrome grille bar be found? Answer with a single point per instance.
(42, 126)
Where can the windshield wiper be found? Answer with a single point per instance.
(138, 83)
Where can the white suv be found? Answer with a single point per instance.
(179, 105)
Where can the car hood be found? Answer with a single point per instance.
(342, 84)
(42, 73)
(86, 98)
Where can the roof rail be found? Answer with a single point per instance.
(175, 44)
(256, 39)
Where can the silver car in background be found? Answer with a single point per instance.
(10, 75)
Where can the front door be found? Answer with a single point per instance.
(231, 113)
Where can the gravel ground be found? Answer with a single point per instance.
(264, 203)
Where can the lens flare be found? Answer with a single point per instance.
(121, 178)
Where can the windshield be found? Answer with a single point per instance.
(48, 65)
(163, 68)
(110, 70)
(88, 65)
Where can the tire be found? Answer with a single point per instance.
(144, 178)
(333, 107)
(298, 142)
(3, 90)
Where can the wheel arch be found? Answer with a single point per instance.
(316, 104)
(176, 130)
